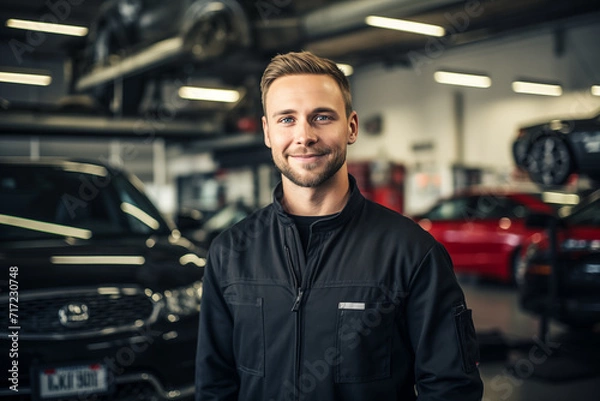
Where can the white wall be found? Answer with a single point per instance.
(416, 109)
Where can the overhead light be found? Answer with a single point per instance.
(455, 78)
(534, 88)
(72, 30)
(406, 26)
(596, 90)
(347, 69)
(209, 94)
(26, 79)
(560, 198)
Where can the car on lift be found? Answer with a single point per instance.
(102, 292)
(483, 230)
(551, 151)
(576, 298)
(206, 29)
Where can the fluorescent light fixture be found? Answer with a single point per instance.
(560, 198)
(97, 260)
(209, 94)
(27, 79)
(534, 88)
(71, 30)
(406, 26)
(41, 226)
(347, 69)
(455, 78)
(596, 90)
(140, 215)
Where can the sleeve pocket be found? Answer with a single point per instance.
(467, 339)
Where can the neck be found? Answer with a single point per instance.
(329, 198)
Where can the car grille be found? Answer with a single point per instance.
(82, 313)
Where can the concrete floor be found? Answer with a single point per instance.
(516, 365)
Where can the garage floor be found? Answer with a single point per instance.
(516, 365)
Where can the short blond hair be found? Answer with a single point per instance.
(295, 63)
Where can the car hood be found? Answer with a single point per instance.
(103, 262)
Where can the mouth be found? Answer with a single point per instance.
(307, 158)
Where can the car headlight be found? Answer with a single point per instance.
(182, 301)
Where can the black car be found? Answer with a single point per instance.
(552, 151)
(576, 301)
(101, 294)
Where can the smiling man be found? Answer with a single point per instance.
(324, 295)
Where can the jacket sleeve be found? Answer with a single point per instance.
(216, 374)
(441, 331)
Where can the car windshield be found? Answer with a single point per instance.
(75, 200)
(587, 215)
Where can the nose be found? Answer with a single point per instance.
(305, 134)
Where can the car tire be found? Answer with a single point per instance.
(550, 162)
(212, 28)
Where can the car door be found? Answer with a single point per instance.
(491, 235)
(445, 222)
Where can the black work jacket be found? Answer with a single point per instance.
(370, 311)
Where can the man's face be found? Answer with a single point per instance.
(306, 128)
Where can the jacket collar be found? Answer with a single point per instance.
(355, 201)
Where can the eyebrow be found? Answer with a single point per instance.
(315, 111)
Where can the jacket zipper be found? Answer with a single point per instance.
(295, 309)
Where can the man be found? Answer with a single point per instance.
(324, 295)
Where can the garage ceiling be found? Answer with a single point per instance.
(334, 29)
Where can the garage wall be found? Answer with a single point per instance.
(417, 110)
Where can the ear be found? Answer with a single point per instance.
(352, 128)
(266, 137)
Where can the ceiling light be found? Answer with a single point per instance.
(208, 94)
(560, 198)
(533, 88)
(347, 69)
(406, 26)
(60, 29)
(27, 79)
(596, 90)
(455, 78)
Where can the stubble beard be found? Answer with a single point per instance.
(311, 180)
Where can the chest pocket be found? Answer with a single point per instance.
(364, 341)
(248, 334)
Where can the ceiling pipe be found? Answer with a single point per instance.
(350, 15)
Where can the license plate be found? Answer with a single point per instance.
(67, 381)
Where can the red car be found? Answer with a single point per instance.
(484, 231)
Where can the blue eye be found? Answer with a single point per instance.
(287, 120)
(322, 118)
